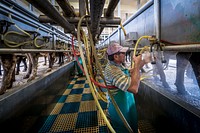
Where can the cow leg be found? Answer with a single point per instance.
(25, 64)
(162, 74)
(8, 63)
(45, 61)
(51, 61)
(34, 58)
(18, 65)
(195, 62)
(182, 62)
(0, 70)
(62, 58)
(30, 65)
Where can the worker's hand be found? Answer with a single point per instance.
(141, 60)
(138, 63)
(146, 57)
(137, 59)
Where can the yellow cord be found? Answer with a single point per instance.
(89, 81)
(39, 46)
(136, 45)
(134, 52)
(14, 44)
(123, 29)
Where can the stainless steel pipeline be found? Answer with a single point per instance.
(183, 48)
(66, 7)
(179, 48)
(8, 51)
(48, 9)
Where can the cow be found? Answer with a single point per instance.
(21, 58)
(182, 63)
(33, 64)
(8, 62)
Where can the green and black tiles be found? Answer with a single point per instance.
(76, 111)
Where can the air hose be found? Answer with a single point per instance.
(15, 44)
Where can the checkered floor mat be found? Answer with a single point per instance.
(76, 111)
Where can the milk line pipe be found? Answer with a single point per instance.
(179, 48)
(7, 50)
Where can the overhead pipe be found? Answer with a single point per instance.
(82, 8)
(75, 20)
(100, 31)
(102, 20)
(48, 9)
(111, 7)
(96, 9)
(87, 7)
(109, 13)
(67, 8)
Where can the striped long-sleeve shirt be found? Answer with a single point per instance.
(114, 75)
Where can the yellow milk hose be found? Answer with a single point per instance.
(15, 44)
(89, 81)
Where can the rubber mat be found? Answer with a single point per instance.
(76, 111)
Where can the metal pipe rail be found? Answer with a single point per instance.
(48, 9)
(82, 8)
(179, 48)
(75, 20)
(109, 14)
(183, 48)
(67, 8)
(19, 14)
(9, 51)
(96, 9)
